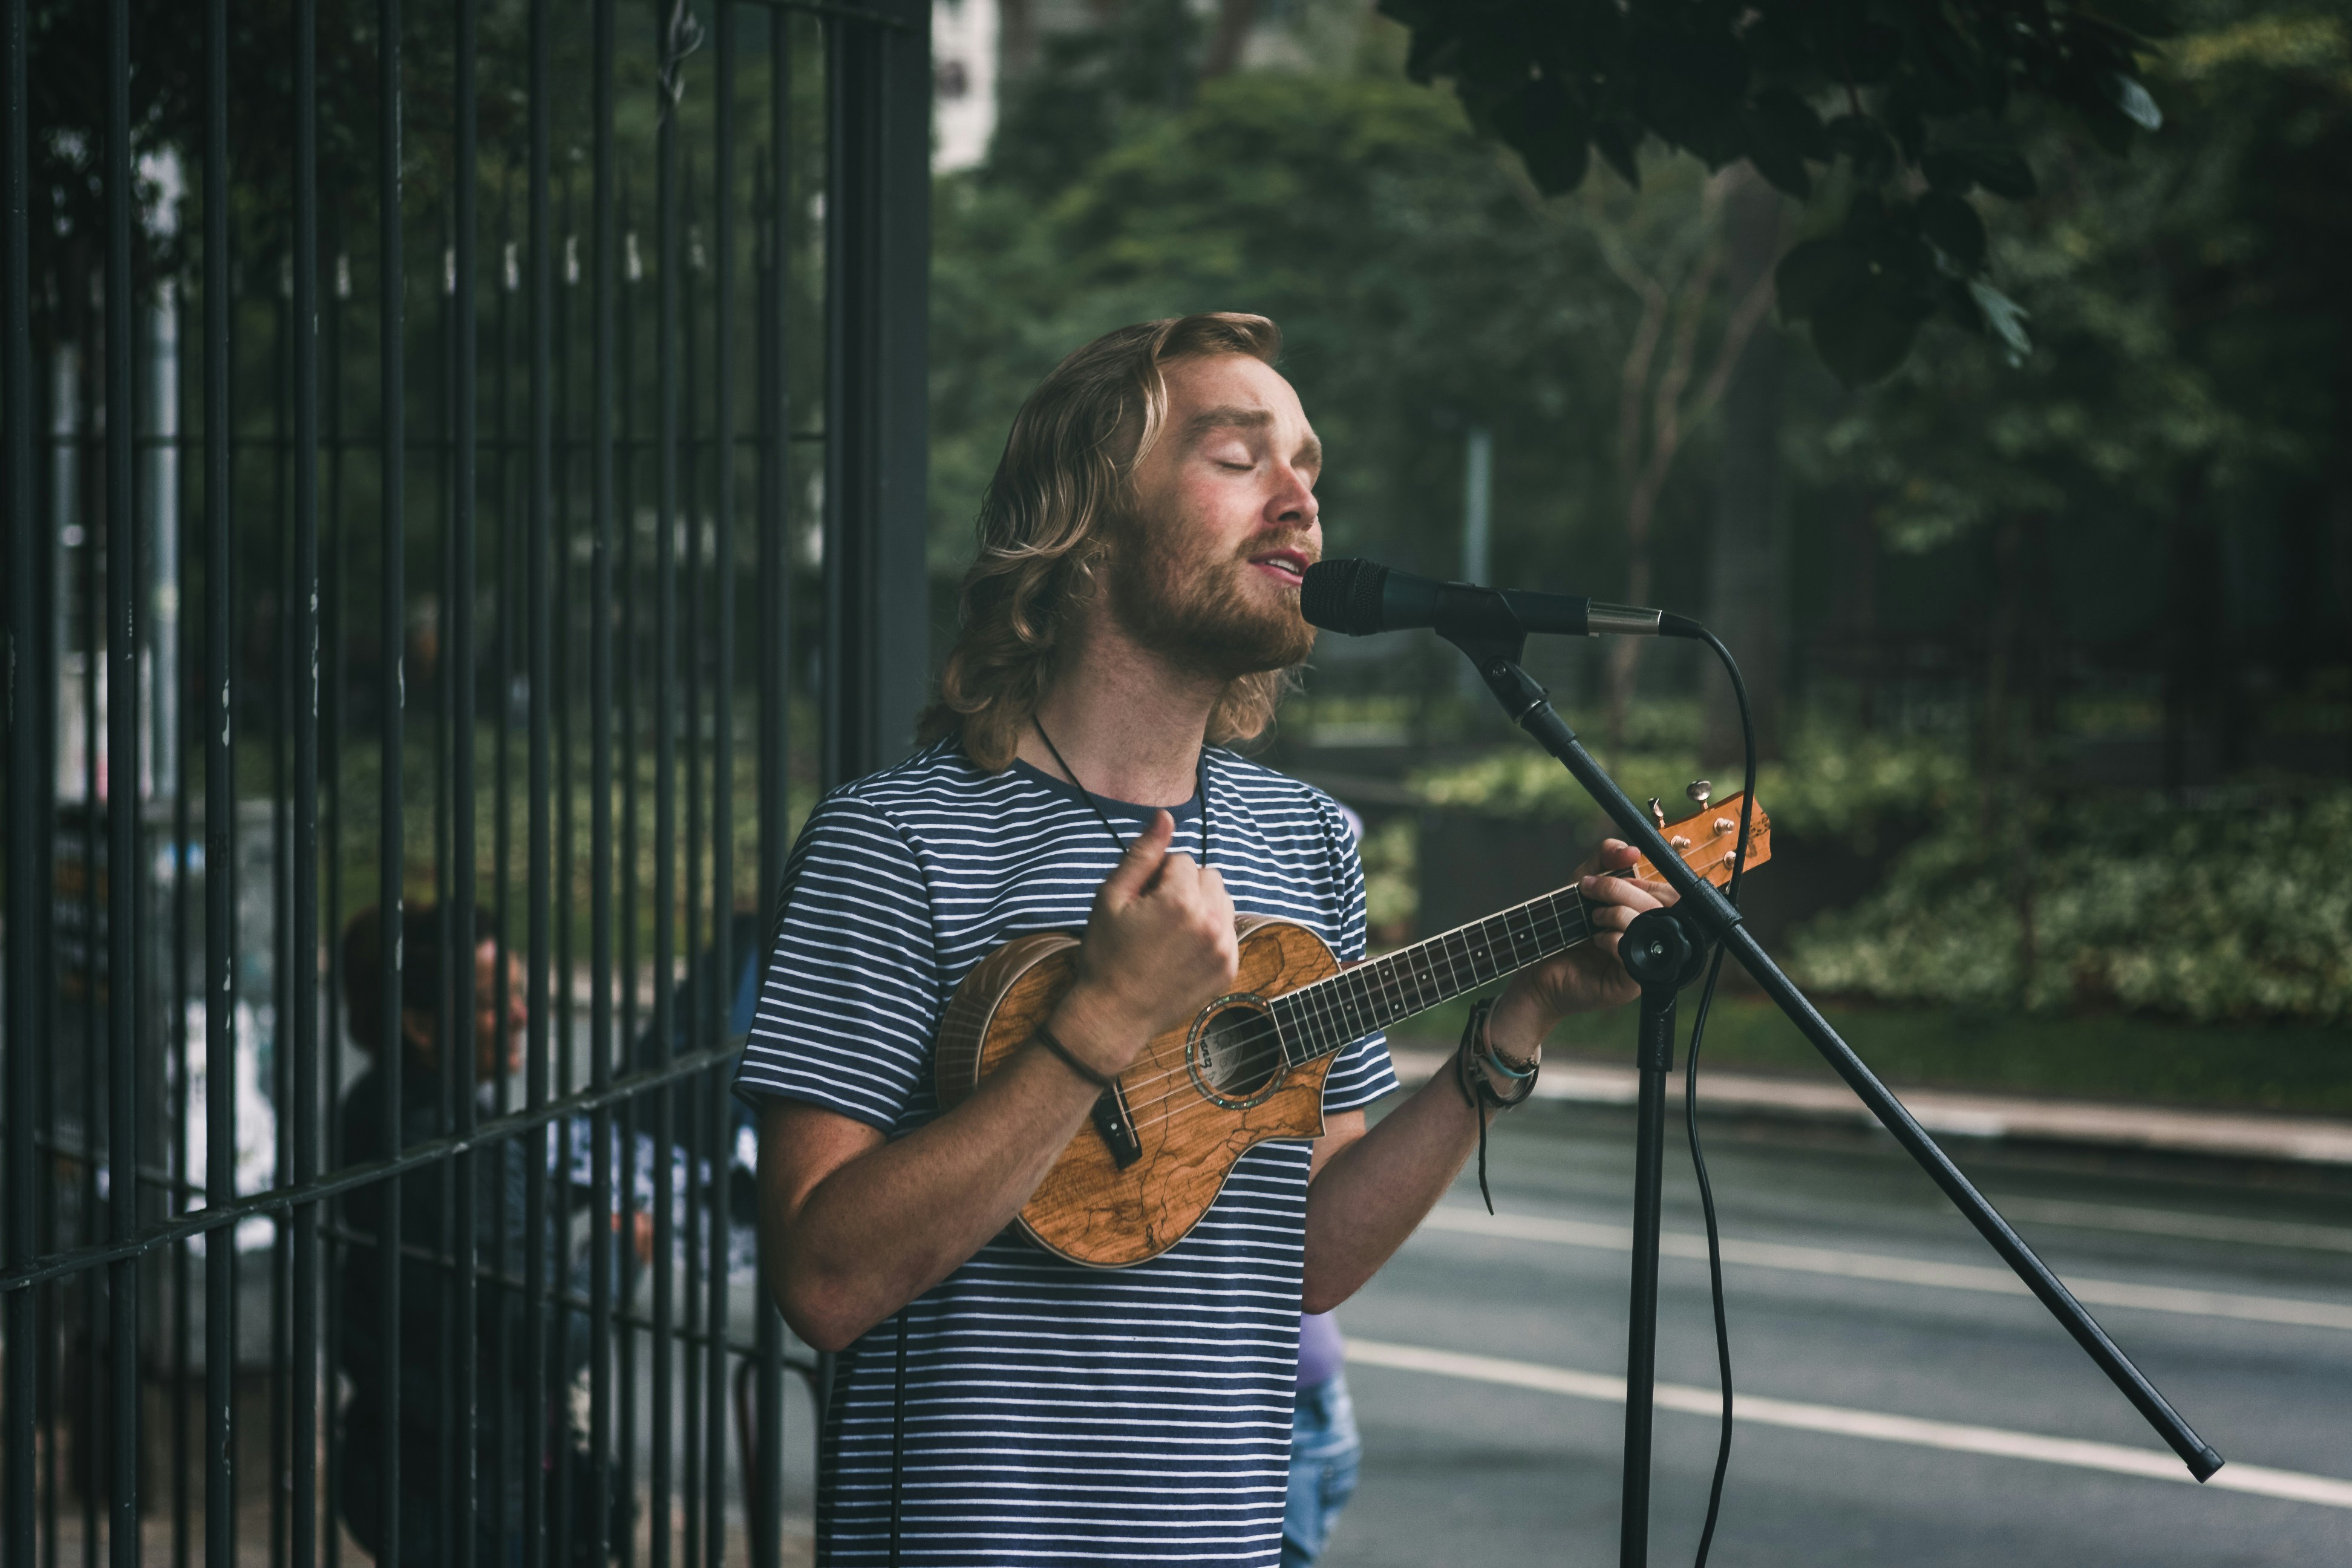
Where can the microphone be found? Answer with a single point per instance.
(1362, 597)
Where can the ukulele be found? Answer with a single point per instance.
(1250, 1066)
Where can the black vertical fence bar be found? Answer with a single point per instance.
(693, 628)
(502, 1477)
(42, 943)
(461, 892)
(281, 806)
(391, 846)
(603, 262)
(453, 1040)
(220, 818)
(182, 1305)
(671, 26)
(122, 968)
(337, 552)
(766, 1488)
(720, 1152)
(28, 788)
(301, 944)
(568, 680)
(541, 677)
(93, 627)
(629, 629)
(185, 1193)
(452, 1050)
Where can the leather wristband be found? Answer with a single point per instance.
(1475, 1054)
(1075, 1062)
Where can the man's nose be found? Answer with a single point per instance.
(1293, 503)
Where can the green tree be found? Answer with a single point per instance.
(1884, 97)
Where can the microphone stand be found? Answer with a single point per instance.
(1663, 951)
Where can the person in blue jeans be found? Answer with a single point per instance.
(1324, 1445)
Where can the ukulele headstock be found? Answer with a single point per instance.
(1709, 838)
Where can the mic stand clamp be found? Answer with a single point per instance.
(1469, 619)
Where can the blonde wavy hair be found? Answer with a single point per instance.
(1064, 484)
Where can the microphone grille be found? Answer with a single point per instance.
(1343, 596)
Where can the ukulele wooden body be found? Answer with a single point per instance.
(1131, 1184)
(1195, 1109)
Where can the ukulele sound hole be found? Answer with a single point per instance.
(1236, 1055)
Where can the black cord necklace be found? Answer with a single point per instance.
(1199, 782)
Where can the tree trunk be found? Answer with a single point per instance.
(1863, 633)
(1017, 39)
(2340, 521)
(1235, 19)
(1747, 586)
(2193, 646)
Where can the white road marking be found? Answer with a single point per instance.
(1988, 1279)
(2153, 1463)
(2175, 1222)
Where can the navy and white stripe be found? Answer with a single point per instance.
(1055, 1413)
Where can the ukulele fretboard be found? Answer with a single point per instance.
(1319, 1019)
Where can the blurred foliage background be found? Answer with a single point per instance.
(2053, 650)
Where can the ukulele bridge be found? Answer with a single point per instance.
(1116, 1128)
(1234, 1051)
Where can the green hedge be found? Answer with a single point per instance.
(2238, 908)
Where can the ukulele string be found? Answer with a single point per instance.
(1389, 993)
(1331, 1021)
(1333, 1018)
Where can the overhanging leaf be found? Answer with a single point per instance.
(1815, 273)
(2003, 316)
(1955, 228)
(1794, 121)
(1617, 144)
(1865, 146)
(2003, 170)
(1550, 133)
(1948, 172)
(2132, 101)
(1862, 337)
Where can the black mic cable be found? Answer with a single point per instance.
(1690, 1094)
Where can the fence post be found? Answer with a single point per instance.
(878, 271)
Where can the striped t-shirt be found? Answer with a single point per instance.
(1053, 1413)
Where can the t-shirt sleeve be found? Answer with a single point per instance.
(850, 996)
(1361, 1074)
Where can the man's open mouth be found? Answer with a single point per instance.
(1288, 565)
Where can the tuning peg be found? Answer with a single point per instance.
(1657, 814)
(1700, 792)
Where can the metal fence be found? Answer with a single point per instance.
(456, 456)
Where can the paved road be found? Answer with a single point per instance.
(1864, 1293)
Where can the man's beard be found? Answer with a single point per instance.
(1198, 612)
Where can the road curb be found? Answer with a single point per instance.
(2299, 1140)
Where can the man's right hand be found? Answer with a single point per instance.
(1160, 945)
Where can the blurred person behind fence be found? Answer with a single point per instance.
(502, 1434)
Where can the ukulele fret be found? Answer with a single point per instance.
(1332, 1013)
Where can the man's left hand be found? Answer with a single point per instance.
(1586, 976)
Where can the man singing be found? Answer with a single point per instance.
(1132, 614)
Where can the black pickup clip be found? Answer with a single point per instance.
(1117, 1130)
